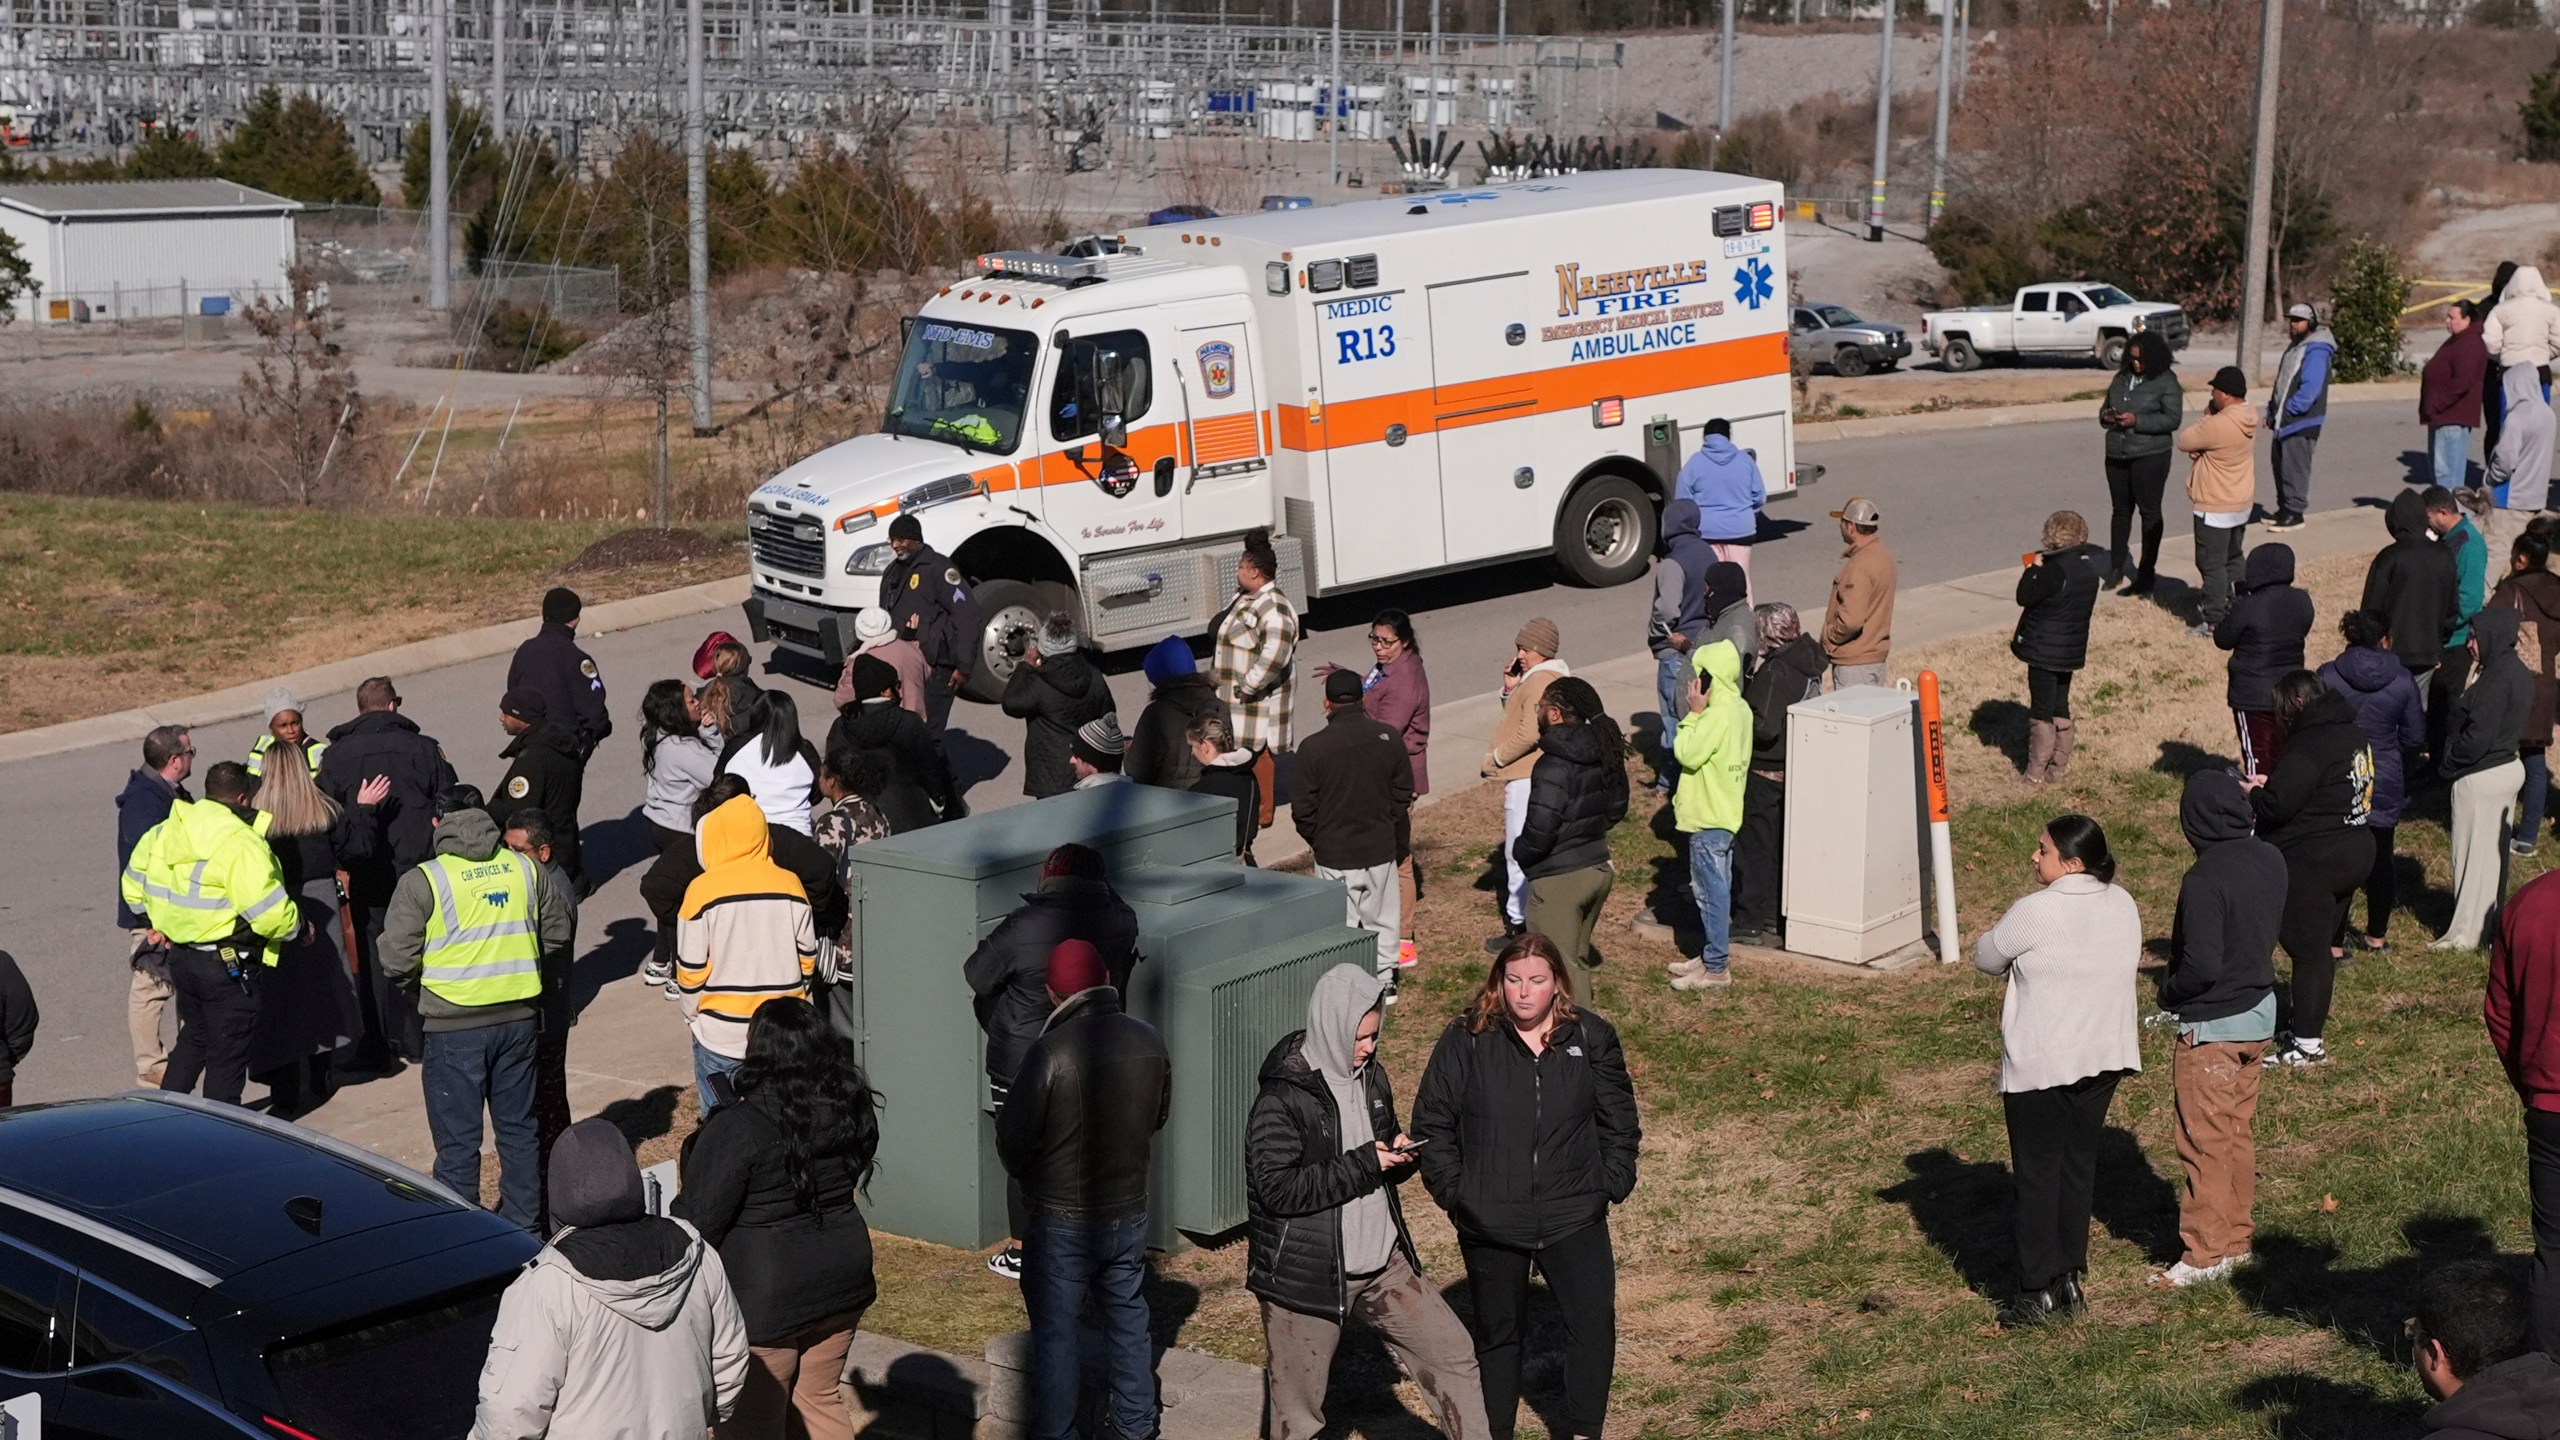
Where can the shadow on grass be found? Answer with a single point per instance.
(643, 1118)
(2182, 759)
(1669, 896)
(1543, 1342)
(1968, 1209)
(2299, 1406)
(2002, 725)
(2299, 1279)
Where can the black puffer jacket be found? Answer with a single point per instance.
(1009, 971)
(2055, 598)
(1298, 1177)
(2265, 629)
(790, 1267)
(1575, 798)
(1054, 697)
(1160, 746)
(1524, 1149)
(1079, 1129)
(2323, 781)
(386, 742)
(1788, 675)
(2412, 580)
(914, 757)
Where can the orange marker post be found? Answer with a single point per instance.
(1933, 740)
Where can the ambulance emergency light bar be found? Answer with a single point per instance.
(1032, 265)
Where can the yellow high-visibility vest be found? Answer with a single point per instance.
(481, 947)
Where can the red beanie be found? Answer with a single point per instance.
(1075, 966)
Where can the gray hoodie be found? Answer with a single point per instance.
(659, 1355)
(1344, 997)
(2522, 461)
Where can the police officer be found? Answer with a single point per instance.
(929, 602)
(211, 888)
(545, 771)
(551, 662)
(465, 935)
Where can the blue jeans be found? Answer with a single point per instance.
(707, 1063)
(492, 1066)
(1671, 684)
(1711, 875)
(2449, 446)
(1065, 1263)
(2537, 791)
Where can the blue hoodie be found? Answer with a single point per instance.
(1724, 482)
(1680, 581)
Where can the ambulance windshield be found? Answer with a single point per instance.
(963, 384)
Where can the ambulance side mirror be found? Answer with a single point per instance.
(1115, 432)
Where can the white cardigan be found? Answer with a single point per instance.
(2070, 951)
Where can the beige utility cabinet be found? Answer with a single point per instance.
(1853, 824)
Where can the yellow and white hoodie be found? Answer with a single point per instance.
(743, 935)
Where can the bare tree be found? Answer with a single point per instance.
(299, 395)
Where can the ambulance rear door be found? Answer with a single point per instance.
(1484, 403)
(1373, 361)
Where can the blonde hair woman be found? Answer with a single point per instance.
(307, 998)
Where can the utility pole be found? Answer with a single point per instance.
(697, 218)
(1333, 104)
(1964, 45)
(1724, 75)
(2262, 189)
(439, 184)
(1434, 72)
(1946, 84)
(498, 73)
(1884, 130)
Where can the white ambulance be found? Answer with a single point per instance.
(1393, 388)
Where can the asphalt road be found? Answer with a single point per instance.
(1955, 504)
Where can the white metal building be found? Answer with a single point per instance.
(148, 249)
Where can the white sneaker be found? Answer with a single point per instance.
(2181, 1275)
(1690, 966)
(1702, 979)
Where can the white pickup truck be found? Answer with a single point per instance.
(2069, 317)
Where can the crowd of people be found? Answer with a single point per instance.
(334, 906)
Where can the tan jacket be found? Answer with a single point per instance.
(2225, 449)
(1857, 629)
(1515, 740)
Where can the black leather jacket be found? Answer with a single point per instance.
(1079, 1128)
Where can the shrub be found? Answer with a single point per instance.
(525, 337)
(2540, 114)
(1985, 261)
(2364, 313)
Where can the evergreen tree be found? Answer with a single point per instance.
(299, 150)
(165, 154)
(474, 166)
(2540, 113)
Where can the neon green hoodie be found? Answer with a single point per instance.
(1713, 747)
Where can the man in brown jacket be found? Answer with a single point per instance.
(2223, 487)
(1515, 754)
(1857, 630)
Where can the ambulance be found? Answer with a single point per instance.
(1394, 388)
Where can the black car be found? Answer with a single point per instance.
(177, 1270)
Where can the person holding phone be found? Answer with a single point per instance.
(2140, 415)
(2057, 591)
(1528, 1133)
(1326, 1238)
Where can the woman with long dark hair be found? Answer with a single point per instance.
(1577, 795)
(2140, 415)
(780, 768)
(773, 1181)
(2315, 807)
(679, 755)
(1527, 1131)
(2068, 1034)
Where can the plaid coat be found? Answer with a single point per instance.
(1255, 665)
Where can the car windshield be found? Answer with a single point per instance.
(2107, 296)
(407, 1374)
(963, 384)
(1837, 315)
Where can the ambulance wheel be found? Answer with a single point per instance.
(1009, 620)
(1606, 532)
